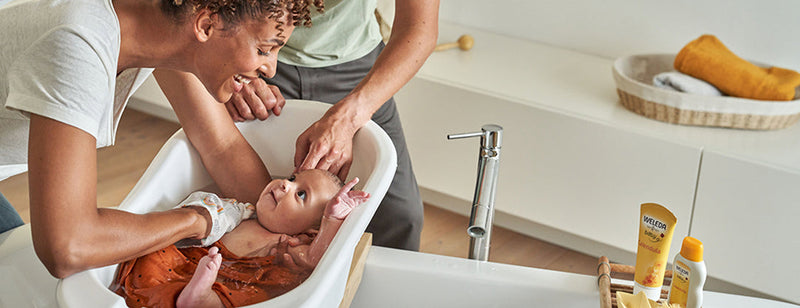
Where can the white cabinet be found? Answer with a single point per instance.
(558, 170)
(747, 214)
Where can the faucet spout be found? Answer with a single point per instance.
(479, 221)
(482, 214)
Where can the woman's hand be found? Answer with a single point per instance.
(254, 101)
(222, 216)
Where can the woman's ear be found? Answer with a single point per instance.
(204, 25)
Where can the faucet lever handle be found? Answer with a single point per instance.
(465, 135)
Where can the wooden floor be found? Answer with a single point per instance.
(140, 136)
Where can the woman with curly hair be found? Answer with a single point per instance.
(67, 69)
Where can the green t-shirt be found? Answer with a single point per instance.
(346, 31)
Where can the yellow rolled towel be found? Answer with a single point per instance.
(708, 59)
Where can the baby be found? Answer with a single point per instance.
(241, 268)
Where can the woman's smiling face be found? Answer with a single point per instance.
(230, 58)
(295, 204)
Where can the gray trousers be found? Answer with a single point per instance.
(398, 221)
(9, 218)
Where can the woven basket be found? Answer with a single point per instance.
(634, 74)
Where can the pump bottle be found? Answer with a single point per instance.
(688, 275)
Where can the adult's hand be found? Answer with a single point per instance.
(327, 144)
(254, 101)
(224, 215)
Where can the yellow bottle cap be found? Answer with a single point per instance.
(692, 249)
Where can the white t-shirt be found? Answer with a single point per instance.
(58, 59)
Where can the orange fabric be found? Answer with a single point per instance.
(708, 59)
(156, 280)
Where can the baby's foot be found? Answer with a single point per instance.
(197, 292)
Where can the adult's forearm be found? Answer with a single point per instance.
(110, 236)
(229, 159)
(414, 35)
(70, 233)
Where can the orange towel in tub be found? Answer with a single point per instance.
(708, 59)
(156, 279)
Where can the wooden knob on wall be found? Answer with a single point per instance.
(464, 42)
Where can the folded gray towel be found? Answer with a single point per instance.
(684, 83)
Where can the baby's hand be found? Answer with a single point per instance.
(304, 238)
(345, 201)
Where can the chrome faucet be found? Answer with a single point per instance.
(480, 220)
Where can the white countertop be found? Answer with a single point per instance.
(581, 85)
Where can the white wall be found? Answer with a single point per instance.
(763, 30)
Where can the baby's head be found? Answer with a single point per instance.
(296, 204)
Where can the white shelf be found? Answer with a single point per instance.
(581, 85)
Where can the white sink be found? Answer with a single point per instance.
(398, 278)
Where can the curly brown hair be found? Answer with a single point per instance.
(235, 12)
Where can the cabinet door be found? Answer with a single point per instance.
(556, 169)
(746, 215)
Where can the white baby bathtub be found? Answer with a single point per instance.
(177, 171)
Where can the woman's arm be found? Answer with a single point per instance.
(70, 233)
(229, 159)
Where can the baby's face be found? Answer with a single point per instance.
(295, 204)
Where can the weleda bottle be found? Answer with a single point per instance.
(688, 275)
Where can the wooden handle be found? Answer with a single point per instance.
(464, 42)
(604, 282)
(608, 290)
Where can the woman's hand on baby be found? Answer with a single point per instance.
(301, 239)
(294, 256)
(254, 101)
(221, 215)
(298, 258)
(345, 201)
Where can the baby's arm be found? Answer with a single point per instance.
(336, 211)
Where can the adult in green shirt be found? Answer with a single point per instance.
(342, 60)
